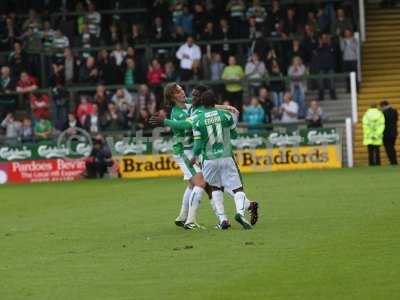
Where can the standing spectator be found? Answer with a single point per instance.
(112, 119)
(47, 35)
(189, 55)
(9, 34)
(297, 71)
(309, 43)
(26, 131)
(236, 9)
(341, 23)
(60, 107)
(101, 98)
(43, 129)
(146, 100)
(155, 76)
(187, 21)
(18, 60)
(92, 121)
(390, 132)
(129, 74)
(70, 66)
(108, 73)
(170, 72)
(93, 18)
(88, 72)
(216, 69)
(258, 12)
(253, 114)
(11, 125)
(225, 33)
(289, 109)
(315, 115)
(276, 85)
(7, 85)
(349, 47)
(159, 33)
(290, 24)
(26, 84)
(39, 105)
(255, 70)
(373, 123)
(199, 19)
(118, 54)
(86, 40)
(60, 42)
(135, 36)
(113, 35)
(275, 16)
(72, 124)
(234, 90)
(266, 103)
(84, 110)
(326, 63)
(295, 50)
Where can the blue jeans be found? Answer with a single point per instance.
(299, 98)
(277, 99)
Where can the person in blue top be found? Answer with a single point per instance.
(253, 114)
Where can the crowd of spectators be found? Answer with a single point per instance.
(57, 53)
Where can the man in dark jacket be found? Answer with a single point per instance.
(99, 160)
(326, 63)
(390, 133)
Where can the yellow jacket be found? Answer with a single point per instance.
(373, 126)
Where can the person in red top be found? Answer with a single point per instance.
(155, 74)
(40, 105)
(27, 83)
(84, 110)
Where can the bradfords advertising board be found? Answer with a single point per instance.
(29, 171)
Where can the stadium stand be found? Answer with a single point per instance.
(101, 65)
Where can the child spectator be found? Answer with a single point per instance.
(39, 105)
(315, 116)
(43, 129)
(298, 86)
(253, 114)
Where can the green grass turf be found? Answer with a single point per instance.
(322, 235)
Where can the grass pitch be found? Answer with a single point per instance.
(321, 235)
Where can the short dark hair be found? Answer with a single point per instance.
(384, 103)
(209, 99)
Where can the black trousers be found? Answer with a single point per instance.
(389, 144)
(374, 157)
(96, 169)
(185, 74)
(349, 66)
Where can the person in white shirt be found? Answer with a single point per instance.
(189, 55)
(289, 109)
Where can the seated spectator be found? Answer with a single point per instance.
(276, 85)
(253, 114)
(189, 55)
(72, 124)
(26, 84)
(99, 160)
(11, 125)
(266, 103)
(289, 109)
(88, 72)
(298, 86)
(315, 115)
(234, 90)
(92, 121)
(122, 96)
(26, 131)
(129, 73)
(112, 119)
(170, 72)
(39, 105)
(84, 110)
(43, 129)
(255, 70)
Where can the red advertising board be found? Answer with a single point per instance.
(28, 171)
